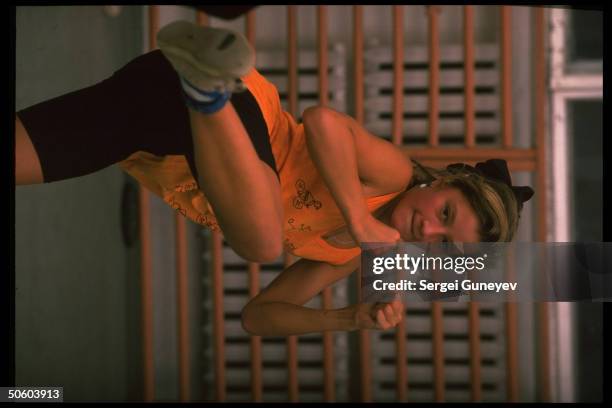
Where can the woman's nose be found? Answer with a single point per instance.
(433, 231)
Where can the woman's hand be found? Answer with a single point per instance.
(380, 316)
(370, 229)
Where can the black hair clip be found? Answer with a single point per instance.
(431, 177)
(497, 170)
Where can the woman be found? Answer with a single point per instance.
(318, 189)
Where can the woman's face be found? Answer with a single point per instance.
(435, 214)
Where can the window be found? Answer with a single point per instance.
(576, 85)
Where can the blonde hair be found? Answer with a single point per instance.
(493, 202)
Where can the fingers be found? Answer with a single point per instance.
(395, 235)
(381, 320)
(390, 314)
(398, 308)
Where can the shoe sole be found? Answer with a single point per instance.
(209, 58)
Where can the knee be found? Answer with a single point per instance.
(266, 254)
(261, 250)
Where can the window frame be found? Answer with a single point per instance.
(566, 84)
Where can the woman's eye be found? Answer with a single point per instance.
(445, 213)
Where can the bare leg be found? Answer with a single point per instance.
(27, 163)
(243, 191)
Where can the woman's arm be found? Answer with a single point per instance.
(278, 310)
(354, 163)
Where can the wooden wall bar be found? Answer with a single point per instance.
(437, 336)
(475, 364)
(434, 75)
(218, 319)
(182, 284)
(329, 388)
(256, 354)
(397, 138)
(468, 70)
(398, 75)
(470, 142)
(365, 374)
(201, 18)
(292, 59)
(506, 75)
(358, 62)
(254, 269)
(512, 358)
(437, 313)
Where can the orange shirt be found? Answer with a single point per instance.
(308, 207)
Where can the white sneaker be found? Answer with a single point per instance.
(212, 59)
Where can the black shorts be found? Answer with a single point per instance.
(140, 107)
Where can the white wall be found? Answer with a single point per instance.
(77, 287)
